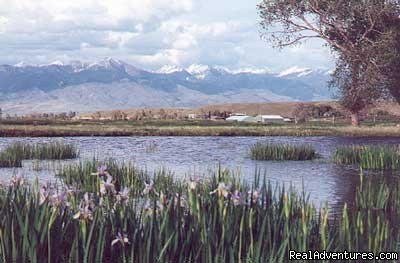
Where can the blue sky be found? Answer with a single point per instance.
(146, 33)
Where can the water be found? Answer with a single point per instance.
(196, 156)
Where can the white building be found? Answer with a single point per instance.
(270, 119)
(241, 118)
(192, 116)
(266, 119)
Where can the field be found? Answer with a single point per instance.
(273, 108)
(190, 128)
(175, 123)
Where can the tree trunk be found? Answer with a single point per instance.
(355, 119)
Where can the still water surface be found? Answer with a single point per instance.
(196, 156)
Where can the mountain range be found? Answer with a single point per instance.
(113, 84)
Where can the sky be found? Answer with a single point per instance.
(147, 33)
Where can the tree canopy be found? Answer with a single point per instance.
(364, 34)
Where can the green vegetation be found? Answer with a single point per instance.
(14, 154)
(195, 128)
(282, 152)
(119, 214)
(374, 157)
(366, 50)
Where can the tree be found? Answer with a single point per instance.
(356, 30)
(115, 115)
(118, 115)
(302, 113)
(97, 115)
(356, 92)
(162, 114)
(389, 56)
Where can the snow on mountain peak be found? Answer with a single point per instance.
(106, 63)
(60, 88)
(21, 64)
(199, 71)
(168, 69)
(55, 63)
(251, 71)
(300, 72)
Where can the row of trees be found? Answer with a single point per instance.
(39, 116)
(364, 35)
(139, 115)
(304, 112)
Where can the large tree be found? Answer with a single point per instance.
(358, 31)
(388, 55)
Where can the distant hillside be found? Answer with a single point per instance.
(114, 84)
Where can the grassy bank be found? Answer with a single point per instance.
(190, 129)
(115, 213)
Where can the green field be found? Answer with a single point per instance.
(45, 128)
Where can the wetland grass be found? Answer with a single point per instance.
(121, 214)
(14, 154)
(179, 128)
(374, 157)
(282, 152)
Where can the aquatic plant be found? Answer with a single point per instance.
(374, 157)
(157, 218)
(14, 154)
(282, 152)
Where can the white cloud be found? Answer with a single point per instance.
(149, 33)
(58, 16)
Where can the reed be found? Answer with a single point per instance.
(113, 129)
(374, 157)
(220, 219)
(14, 154)
(282, 152)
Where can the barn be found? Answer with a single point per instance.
(270, 119)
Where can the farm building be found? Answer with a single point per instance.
(270, 119)
(192, 116)
(241, 118)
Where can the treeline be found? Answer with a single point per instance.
(39, 116)
(160, 114)
(305, 112)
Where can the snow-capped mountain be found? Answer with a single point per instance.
(111, 84)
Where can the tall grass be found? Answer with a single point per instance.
(129, 129)
(220, 219)
(125, 174)
(282, 152)
(374, 157)
(14, 154)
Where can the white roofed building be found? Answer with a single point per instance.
(270, 119)
(241, 118)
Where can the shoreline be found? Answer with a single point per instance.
(109, 130)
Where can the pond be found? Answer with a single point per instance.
(197, 156)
